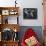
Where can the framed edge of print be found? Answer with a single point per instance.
(30, 13)
(0, 19)
(5, 12)
(0, 36)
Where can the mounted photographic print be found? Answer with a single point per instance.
(30, 13)
(5, 12)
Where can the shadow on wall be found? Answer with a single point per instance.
(37, 29)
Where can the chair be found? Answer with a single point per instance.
(29, 33)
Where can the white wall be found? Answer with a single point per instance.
(27, 4)
(32, 4)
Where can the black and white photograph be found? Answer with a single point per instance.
(30, 13)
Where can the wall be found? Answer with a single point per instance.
(32, 4)
(26, 4)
